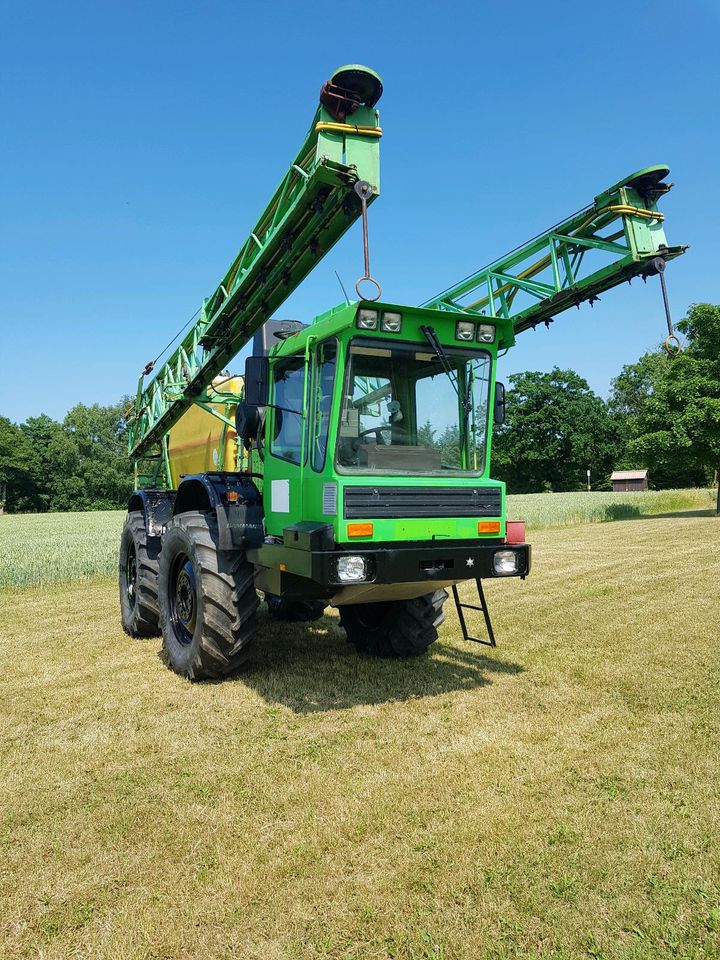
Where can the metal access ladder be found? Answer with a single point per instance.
(483, 607)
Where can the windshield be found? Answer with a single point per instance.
(403, 413)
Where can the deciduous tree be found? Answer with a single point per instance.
(556, 429)
(680, 421)
(14, 473)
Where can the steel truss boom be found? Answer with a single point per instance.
(310, 210)
(617, 237)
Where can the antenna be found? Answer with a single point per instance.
(342, 287)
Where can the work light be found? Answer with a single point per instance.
(464, 330)
(505, 562)
(351, 569)
(486, 332)
(391, 322)
(367, 319)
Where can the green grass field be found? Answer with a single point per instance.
(63, 547)
(556, 798)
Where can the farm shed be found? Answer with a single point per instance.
(624, 481)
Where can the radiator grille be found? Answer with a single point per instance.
(377, 503)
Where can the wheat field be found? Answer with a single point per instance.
(50, 548)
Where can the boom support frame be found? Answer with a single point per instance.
(553, 272)
(310, 210)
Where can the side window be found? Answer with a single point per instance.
(326, 362)
(288, 378)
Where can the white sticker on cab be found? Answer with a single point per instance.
(280, 496)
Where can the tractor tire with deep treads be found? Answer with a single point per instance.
(207, 600)
(138, 575)
(294, 611)
(394, 628)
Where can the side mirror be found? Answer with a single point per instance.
(499, 411)
(257, 381)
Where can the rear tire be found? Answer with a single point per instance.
(294, 611)
(138, 575)
(207, 600)
(394, 628)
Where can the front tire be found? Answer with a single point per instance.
(207, 600)
(138, 575)
(294, 611)
(394, 628)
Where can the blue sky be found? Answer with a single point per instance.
(141, 140)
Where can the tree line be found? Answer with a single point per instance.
(79, 464)
(663, 413)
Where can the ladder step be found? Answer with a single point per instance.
(483, 608)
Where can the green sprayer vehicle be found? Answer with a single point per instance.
(350, 465)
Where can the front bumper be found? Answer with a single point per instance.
(283, 568)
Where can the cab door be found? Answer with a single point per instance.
(286, 444)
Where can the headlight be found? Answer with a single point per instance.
(391, 322)
(351, 569)
(486, 332)
(367, 319)
(505, 562)
(464, 330)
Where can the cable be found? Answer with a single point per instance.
(150, 366)
(346, 128)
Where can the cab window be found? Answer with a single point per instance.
(406, 411)
(288, 380)
(326, 363)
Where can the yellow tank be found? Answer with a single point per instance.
(200, 442)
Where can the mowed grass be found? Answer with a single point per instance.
(558, 797)
(38, 549)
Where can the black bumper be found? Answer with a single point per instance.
(435, 562)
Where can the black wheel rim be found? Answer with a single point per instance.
(131, 575)
(183, 599)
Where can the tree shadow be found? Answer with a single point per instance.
(674, 515)
(312, 668)
(621, 511)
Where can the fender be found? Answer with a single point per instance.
(157, 508)
(234, 499)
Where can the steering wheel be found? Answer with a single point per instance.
(378, 431)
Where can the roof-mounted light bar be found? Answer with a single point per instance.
(389, 321)
(468, 331)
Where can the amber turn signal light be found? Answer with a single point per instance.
(360, 529)
(489, 526)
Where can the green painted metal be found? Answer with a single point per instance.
(310, 210)
(615, 238)
(306, 485)
(611, 240)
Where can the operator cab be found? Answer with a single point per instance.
(396, 403)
